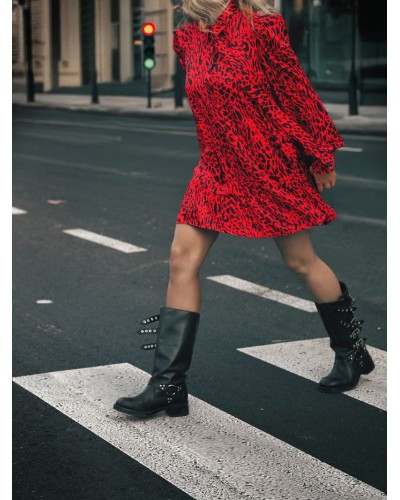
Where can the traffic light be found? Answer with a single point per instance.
(137, 24)
(148, 30)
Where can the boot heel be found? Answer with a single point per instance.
(178, 411)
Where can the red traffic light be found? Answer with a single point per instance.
(148, 28)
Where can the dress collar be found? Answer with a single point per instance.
(224, 18)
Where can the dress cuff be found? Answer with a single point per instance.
(323, 166)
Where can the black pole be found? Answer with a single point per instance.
(179, 76)
(179, 83)
(93, 73)
(30, 82)
(149, 88)
(353, 84)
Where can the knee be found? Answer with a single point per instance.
(300, 265)
(184, 261)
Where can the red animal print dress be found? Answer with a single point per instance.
(260, 126)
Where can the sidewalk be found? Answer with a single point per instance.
(371, 119)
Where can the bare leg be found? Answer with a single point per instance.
(176, 334)
(189, 249)
(298, 255)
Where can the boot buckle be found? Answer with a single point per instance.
(360, 344)
(144, 331)
(150, 319)
(147, 347)
(170, 389)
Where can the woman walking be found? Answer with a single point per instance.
(267, 152)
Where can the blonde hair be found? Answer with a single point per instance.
(206, 12)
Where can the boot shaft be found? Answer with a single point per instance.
(339, 321)
(175, 342)
(351, 355)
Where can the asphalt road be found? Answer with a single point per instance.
(125, 178)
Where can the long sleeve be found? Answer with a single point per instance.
(311, 126)
(178, 47)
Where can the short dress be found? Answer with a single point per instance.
(260, 126)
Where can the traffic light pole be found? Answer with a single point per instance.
(93, 73)
(149, 62)
(30, 82)
(149, 88)
(353, 84)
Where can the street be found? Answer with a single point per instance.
(124, 178)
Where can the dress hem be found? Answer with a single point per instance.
(326, 220)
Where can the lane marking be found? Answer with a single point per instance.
(367, 182)
(144, 127)
(132, 128)
(18, 211)
(207, 454)
(313, 359)
(104, 240)
(264, 292)
(82, 166)
(70, 137)
(370, 183)
(362, 220)
(365, 138)
(351, 150)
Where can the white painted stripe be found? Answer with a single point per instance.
(365, 138)
(18, 211)
(313, 359)
(351, 150)
(104, 240)
(362, 220)
(264, 292)
(82, 166)
(141, 128)
(367, 182)
(70, 137)
(208, 454)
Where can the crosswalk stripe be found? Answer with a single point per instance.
(207, 454)
(18, 211)
(264, 292)
(104, 240)
(313, 359)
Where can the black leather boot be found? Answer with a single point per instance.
(166, 389)
(352, 358)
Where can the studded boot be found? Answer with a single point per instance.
(166, 389)
(352, 358)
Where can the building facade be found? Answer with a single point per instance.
(62, 41)
(320, 32)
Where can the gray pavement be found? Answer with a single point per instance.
(370, 120)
